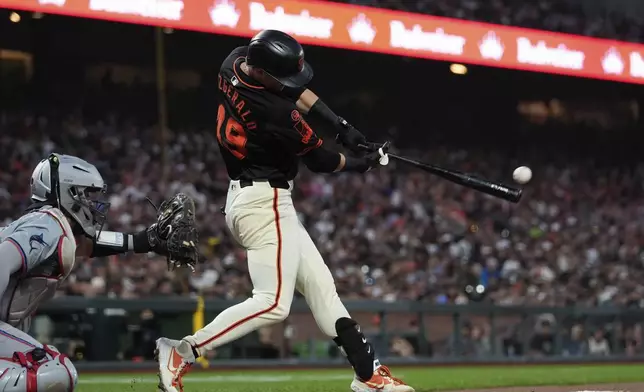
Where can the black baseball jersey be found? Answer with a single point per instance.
(261, 134)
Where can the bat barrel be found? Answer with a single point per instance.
(488, 187)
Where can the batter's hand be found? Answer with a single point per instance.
(175, 234)
(349, 136)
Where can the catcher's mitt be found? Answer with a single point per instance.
(175, 233)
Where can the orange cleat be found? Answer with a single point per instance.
(381, 381)
(172, 366)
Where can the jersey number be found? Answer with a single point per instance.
(231, 134)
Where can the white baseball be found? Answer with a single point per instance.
(522, 174)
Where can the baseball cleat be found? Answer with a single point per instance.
(172, 366)
(381, 381)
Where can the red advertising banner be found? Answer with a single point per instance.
(374, 30)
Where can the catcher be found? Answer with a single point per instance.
(38, 251)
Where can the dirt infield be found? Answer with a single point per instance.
(631, 387)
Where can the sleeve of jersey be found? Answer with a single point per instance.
(296, 134)
(37, 240)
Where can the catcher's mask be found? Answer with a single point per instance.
(281, 57)
(94, 200)
(76, 187)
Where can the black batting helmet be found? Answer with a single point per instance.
(281, 56)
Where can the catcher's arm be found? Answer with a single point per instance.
(173, 235)
(111, 243)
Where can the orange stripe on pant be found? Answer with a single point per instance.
(279, 278)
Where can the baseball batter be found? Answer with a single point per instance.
(263, 137)
(39, 250)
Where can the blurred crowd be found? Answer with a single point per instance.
(391, 234)
(552, 15)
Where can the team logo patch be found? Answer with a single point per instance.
(304, 130)
(295, 115)
(36, 241)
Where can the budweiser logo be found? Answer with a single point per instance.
(302, 24)
(491, 47)
(541, 54)
(433, 41)
(637, 65)
(58, 3)
(224, 13)
(158, 9)
(361, 30)
(612, 62)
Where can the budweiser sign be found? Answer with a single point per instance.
(539, 53)
(301, 23)
(376, 30)
(156, 9)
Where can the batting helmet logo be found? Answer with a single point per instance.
(300, 64)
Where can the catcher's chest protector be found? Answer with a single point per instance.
(27, 291)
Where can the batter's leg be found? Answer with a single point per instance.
(28, 366)
(271, 238)
(315, 282)
(273, 288)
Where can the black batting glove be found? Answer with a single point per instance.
(368, 158)
(349, 137)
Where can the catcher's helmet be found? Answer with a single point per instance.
(281, 56)
(76, 187)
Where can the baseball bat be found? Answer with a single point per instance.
(491, 188)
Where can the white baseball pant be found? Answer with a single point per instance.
(28, 366)
(282, 257)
